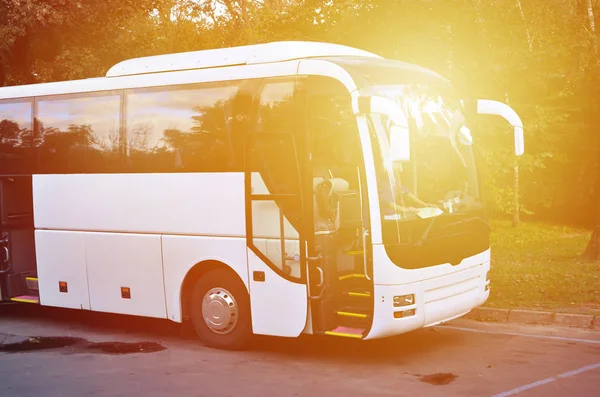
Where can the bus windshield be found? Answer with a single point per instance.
(434, 195)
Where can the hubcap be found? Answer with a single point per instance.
(220, 310)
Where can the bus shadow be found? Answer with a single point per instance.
(306, 348)
(392, 350)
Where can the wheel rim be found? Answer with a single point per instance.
(220, 311)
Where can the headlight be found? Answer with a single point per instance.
(404, 300)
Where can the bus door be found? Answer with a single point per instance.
(18, 280)
(275, 212)
(341, 294)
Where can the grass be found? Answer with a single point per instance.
(536, 266)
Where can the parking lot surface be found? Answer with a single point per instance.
(108, 355)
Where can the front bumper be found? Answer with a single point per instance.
(437, 299)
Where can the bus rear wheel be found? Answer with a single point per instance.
(220, 310)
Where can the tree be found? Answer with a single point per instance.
(45, 40)
(592, 251)
(543, 56)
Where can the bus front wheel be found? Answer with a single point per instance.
(220, 310)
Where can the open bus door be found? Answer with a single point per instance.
(302, 276)
(275, 212)
(18, 280)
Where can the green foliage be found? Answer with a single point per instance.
(536, 266)
(540, 54)
(60, 39)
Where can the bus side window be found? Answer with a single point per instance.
(335, 146)
(272, 158)
(16, 137)
(275, 151)
(276, 145)
(78, 133)
(335, 143)
(182, 129)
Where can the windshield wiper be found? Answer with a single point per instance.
(425, 233)
(475, 218)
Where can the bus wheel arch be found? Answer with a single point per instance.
(216, 285)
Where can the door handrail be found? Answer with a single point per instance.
(365, 254)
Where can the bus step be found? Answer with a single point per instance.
(26, 299)
(346, 332)
(352, 276)
(359, 294)
(32, 283)
(351, 314)
(356, 252)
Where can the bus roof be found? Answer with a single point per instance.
(242, 55)
(222, 64)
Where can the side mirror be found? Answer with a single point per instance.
(486, 106)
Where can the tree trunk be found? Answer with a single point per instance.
(592, 21)
(516, 203)
(529, 39)
(592, 251)
(517, 206)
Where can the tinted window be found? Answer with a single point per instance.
(275, 145)
(274, 148)
(16, 138)
(79, 134)
(335, 143)
(182, 130)
(273, 155)
(276, 111)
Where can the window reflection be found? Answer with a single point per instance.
(335, 147)
(274, 147)
(276, 107)
(78, 134)
(273, 158)
(179, 130)
(16, 137)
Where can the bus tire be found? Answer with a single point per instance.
(220, 310)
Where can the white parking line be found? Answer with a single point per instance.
(481, 331)
(547, 380)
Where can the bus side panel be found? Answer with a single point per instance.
(181, 253)
(61, 258)
(188, 203)
(279, 306)
(125, 274)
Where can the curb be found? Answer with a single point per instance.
(488, 314)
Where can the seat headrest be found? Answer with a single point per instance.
(337, 184)
(316, 182)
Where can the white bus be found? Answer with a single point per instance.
(275, 189)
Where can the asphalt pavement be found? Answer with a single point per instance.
(58, 352)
